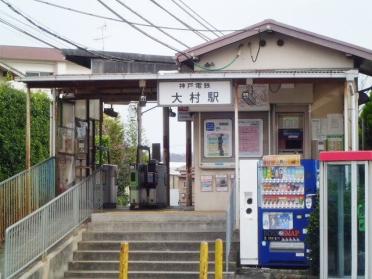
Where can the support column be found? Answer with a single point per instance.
(28, 151)
(236, 143)
(100, 132)
(28, 128)
(188, 164)
(52, 125)
(166, 148)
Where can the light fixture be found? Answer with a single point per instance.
(110, 112)
(172, 113)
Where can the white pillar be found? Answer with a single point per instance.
(236, 142)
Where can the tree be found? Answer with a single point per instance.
(13, 125)
(121, 143)
(365, 122)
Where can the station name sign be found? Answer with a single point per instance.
(194, 93)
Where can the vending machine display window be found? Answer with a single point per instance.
(290, 133)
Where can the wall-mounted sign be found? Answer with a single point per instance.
(254, 96)
(206, 183)
(250, 137)
(217, 138)
(194, 93)
(183, 114)
(221, 183)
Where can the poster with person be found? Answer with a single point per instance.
(217, 138)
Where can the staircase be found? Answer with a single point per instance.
(162, 244)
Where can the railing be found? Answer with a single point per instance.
(230, 224)
(31, 237)
(25, 192)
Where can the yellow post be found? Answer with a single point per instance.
(203, 273)
(123, 267)
(218, 263)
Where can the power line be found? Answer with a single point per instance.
(193, 17)
(109, 57)
(138, 29)
(33, 28)
(149, 22)
(27, 33)
(134, 23)
(212, 29)
(179, 20)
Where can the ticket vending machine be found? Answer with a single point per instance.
(345, 214)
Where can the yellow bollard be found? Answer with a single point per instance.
(203, 272)
(218, 263)
(123, 265)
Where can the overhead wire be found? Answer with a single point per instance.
(95, 54)
(33, 28)
(27, 33)
(149, 22)
(137, 28)
(134, 23)
(193, 17)
(188, 56)
(201, 35)
(212, 29)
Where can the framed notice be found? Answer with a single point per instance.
(250, 137)
(221, 183)
(217, 138)
(206, 183)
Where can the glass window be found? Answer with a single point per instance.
(339, 220)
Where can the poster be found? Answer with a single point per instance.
(218, 138)
(277, 221)
(335, 143)
(316, 131)
(206, 183)
(250, 137)
(221, 183)
(335, 124)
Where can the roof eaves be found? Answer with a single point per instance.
(279, 27)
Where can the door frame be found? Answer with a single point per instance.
(323, 214)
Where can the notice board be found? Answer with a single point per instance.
(250, 137)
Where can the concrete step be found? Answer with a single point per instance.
(163, 236)
(147, 245)
(140, 255)
(142, 275)
(140, 265)
(170, 226)
(158, 216)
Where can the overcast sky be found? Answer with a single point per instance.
(350, 21)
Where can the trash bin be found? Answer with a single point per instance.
(110, 187)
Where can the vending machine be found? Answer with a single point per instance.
(286, 193)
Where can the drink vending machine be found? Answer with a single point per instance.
(286, 189)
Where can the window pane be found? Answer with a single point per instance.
(339, 220)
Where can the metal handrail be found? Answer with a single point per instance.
(25, 192)
(230, 224)
(34, 235)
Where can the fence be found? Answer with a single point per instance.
(230, 224)
(31, 237)
(25, 192)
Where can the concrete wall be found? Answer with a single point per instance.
(56, 262)
(294, 54)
